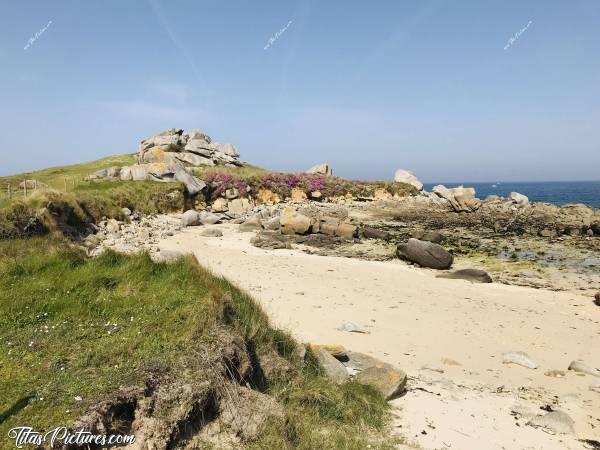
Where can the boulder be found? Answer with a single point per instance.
(193, 159)
(519, 199)
(473, 275)
(429, 236)
(321, 169)
(374, 233)
(227, 149)
(208, 218)
(190, 218)
(426, 254)
(211, 232)
(272, 224)
(239, 206)
(333, 369)
(346, 231)
(219, 205)
(293, 222)
(270, 240)
(267, 197)
(406, 176)
(251, 224)
(460, 198)
(298, 196)
(193, 148)
(390, 382)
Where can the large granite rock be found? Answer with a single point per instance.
(190, 148)
(293, 222)
(461, 199)
(426, 254)
(162, 172)
(406, 176)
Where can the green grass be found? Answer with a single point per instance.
(54, 176)
(77, 327)
(245, 171)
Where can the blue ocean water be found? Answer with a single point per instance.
(557, 192)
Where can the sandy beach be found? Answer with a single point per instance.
(448, 335)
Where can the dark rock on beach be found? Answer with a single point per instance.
(473, 275)
(426, 254)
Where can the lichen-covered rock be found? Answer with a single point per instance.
(386, 379)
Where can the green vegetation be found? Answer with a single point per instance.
(55, 177)
(73, 330)
(70, 213)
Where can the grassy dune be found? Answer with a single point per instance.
(73, 330)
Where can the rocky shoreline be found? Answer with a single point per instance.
(505, 240)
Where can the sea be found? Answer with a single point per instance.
(557, 192)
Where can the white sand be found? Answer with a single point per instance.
(415, 319)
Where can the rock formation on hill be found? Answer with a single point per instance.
(406, 176)
(322, 169)
(190, 148)
(166, 157)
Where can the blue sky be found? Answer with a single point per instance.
(367, 86)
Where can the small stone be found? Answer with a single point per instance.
(556, 421)
(211, 232)
(581, 367)
(597, 298)
(555, 373)
(350, 327)
(520, 358)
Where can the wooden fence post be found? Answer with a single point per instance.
(65, 180)
(9, 192)
(25, 187)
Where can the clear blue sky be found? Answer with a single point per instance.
(367, 86)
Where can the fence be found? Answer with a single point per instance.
(28, 187)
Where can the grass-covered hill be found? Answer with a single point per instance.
(76, 332)
(101, 341)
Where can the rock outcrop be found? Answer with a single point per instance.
(406, 176)
(519, 199)
(166, 157)
(321, 169)
(425, 254)
(461, 199)
(193, 148)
